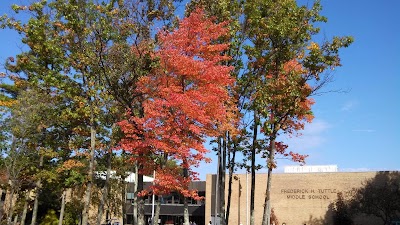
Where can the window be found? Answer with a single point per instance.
(130, 196)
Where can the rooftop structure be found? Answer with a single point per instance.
(311, 169)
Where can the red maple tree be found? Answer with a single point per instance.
(186, 101)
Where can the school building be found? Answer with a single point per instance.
(297, 197)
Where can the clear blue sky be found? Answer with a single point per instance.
(359, 129)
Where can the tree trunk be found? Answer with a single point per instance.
(222, 176)
(163, 162)
(61, 218)
(1, 208)
(217, 183)
(105, 189)
(219, 189)
(124, 197)
(11, 203)
(157, 212)
(185, 211)
(231, 161)
(140, 210)
(253, 168)
(228, 204)
(25, 210)
(88, 192)
(185, 200)
(15, 220)
(267, 202)
(37, 190)
(135, 197)
(35, 204)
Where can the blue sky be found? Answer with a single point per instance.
(358, 129)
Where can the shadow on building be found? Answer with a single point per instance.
(376, 202)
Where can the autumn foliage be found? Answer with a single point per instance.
(289, 105)
(185, 101)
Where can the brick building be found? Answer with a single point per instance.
(297, 198)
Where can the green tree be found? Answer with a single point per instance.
(32, 116)
(47, 66)
(90, 53)
(15, 161)
(285, 68)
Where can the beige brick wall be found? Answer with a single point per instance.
(297, 199)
